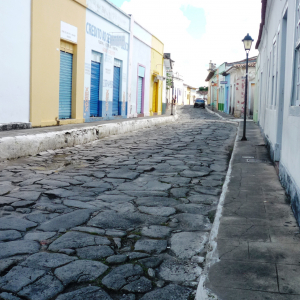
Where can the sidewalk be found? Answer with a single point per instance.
(222, 114)
(258, 240)
(20, 143)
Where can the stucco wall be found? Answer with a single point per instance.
(45, 58)
(283, 137)
(100, 43)
(15, 37)
(157, 62)
(141, 55)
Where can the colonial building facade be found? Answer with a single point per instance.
(81, 61)
(278, 79)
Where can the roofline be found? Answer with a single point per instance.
(131, 16)
(210, 75)
(263, 19)
(119, 9)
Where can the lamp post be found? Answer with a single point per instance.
(247, 44)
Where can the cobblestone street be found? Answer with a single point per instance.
(127, 217)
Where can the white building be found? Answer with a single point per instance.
(15, 52)
(140, 59)
(278, 79)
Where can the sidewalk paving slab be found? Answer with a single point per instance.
(258, 242)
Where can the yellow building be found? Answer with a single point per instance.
(57, 62)
(156, 76)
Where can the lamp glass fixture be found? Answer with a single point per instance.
(247, 42)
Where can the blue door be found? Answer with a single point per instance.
(95, 85)
(65, 85)
(140, 95)
(116, 92)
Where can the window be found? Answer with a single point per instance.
(276, 74)
(296, 90)
(273, 73)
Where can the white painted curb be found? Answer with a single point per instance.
(212, 255)
(216, 114)
(21, 146)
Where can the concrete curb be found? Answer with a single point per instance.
(216, 114)
(212, 254)
(21, 146)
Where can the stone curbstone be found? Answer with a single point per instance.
(21, 146)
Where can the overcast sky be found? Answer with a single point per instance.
(197, 31)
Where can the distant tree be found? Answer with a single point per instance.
(169, 81)
(203, 89)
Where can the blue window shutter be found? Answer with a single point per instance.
(116, 91)
(95, 86)
(65, 85)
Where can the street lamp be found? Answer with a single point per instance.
(247, 44)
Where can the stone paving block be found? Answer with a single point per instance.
(95, 252)
(54, 183)
(141, 285)
(158, 211)
(18, 248)
(173, 270)
(151, 262)
(156, 201)
(5, 189)
(115, 198)
(18, 277)
(110, 220)
(9, 235)
(43, 289)
(92, 230)
(39, 236)
(117, 278)
(8, 262)
(191, 222)
(86, 293)
(7, 200)
(15, 223)
(47, 261)
(156, 231)
(26, 195)
(73, 240)
(117, 259)
(80, 271)
(151, 246)
(187, 244)
(169, 292)
(8, 296)
(78, 204)
(67, 221)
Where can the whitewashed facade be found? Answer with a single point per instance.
(140, 59)
(278, 78)
(15, 37)
(103, 23)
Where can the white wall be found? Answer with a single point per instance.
(109, 53)
(15, 36)
(141, 56)
(283, 137)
